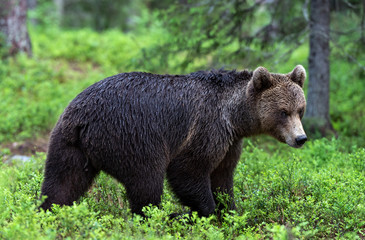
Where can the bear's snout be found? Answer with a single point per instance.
(294, 136)
(301, 140)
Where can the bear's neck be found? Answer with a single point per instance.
(244, 117)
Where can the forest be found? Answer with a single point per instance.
(50, 51)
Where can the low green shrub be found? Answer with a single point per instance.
(312, 193)
(33, 94)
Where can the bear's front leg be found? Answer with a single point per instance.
(144, 186)
(222, 177)
(192, 188)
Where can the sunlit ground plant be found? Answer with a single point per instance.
(316, 192)
(313, 193)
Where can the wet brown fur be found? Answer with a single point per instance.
(139, 127)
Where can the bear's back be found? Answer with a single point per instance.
(140, 108)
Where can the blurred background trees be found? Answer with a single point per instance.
(318, 190)
(13, 29)
(203, 34)
(317, 113)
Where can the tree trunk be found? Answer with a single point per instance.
(60, 5)
(13, 27)
(317, 118)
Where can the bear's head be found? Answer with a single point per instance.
(280, 104)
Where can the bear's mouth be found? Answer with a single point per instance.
(298, 141)
(295, 145)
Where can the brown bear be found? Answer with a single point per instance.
(137, 127)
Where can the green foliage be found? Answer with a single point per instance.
(319, 186)
(312, 193)
(98, 14)
(32, 96)
(34, 91)
(346, 98)
(281, 193)
(234, 32)
(44, 14)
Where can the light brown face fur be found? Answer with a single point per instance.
(281, 105)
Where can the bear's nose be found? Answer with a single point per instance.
(301, 140)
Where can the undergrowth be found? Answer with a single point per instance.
(313, 193)
(316, 192)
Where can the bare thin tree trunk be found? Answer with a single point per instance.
(60, 5)
(317, 114)
(13, 27)
(363, 23)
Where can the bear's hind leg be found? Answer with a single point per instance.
(68, 175)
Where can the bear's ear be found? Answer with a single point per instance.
(261, 79)
(298, 75)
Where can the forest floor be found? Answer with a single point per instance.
(27, 147)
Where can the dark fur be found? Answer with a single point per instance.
(137, 127)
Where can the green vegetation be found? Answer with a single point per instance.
(317, 192)
(34, 91)
(281, 193)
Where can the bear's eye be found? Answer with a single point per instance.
(284, 114)
(301, 113)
